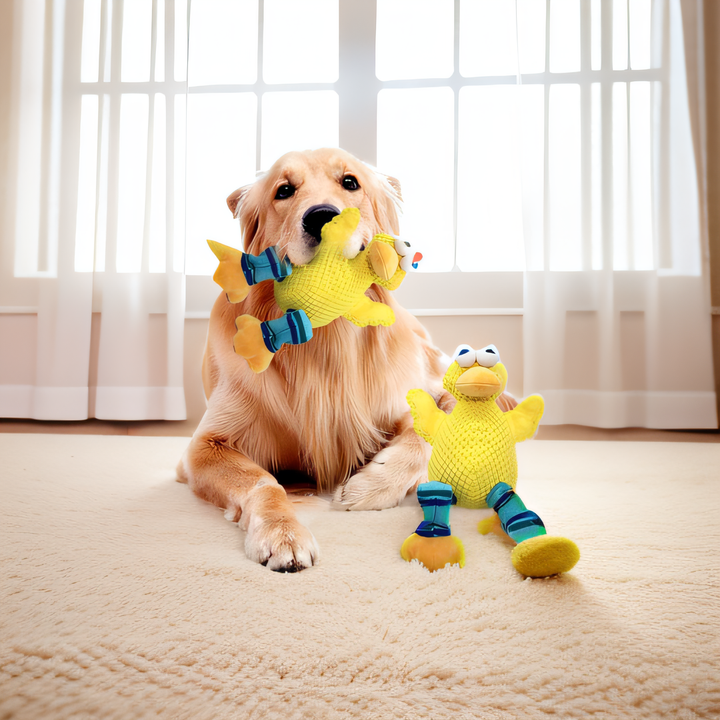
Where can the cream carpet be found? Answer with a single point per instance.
(124, 596)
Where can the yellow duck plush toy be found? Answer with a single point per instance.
(313, 295)
(473, 463)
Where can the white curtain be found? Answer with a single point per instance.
(608, 154)
(92, 285)
(617, 327)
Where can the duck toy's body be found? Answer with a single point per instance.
(473, 463)
(313, 295)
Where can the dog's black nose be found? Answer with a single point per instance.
(315, 217)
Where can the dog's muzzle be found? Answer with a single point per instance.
(315, 217)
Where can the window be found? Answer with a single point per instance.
(501, 170)
(131, 183)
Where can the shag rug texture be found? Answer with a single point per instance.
(125, 596)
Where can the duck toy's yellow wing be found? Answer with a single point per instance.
(473, 463)
(330, 286)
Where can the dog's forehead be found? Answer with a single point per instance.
(299, 167)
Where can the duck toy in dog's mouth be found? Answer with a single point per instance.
(330, 286)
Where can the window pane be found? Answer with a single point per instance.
(640, 28)
(416, 145)
(87, 173)
(314, 123)
(500, 145)
(620, 35)
(160, 42)
(90, 41)
(596, 34)
(488, 37)
(181, 39)
(596, 172)
(414, 39)
(180, 146)
(300, 41)
(620, 177)
(158, 194)
(131, 182)
(564, 187)
(223, 42)
(641, 175)
(564, 36)
(217, 164)
(102, 201)
(136, 38)
(531, 34)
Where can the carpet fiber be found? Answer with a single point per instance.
(124, 596)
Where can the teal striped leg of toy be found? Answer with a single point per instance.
(516, 520)
(435, 499)
(293, 328)
(266, 266)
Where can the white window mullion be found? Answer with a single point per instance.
(606, 94)
(357, 86)
(456, 116)
(586, 118)
(259, 85)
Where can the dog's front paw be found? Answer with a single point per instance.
(282, 544)
(383, 482)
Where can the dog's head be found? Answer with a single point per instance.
(288, 205)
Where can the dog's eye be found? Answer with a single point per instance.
(285, 191)
(349, 182)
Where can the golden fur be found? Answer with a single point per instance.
(333, 408)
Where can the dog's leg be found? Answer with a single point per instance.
(390, 475)
(253, 498)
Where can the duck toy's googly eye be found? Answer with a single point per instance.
(402, 248)
(488, 356)
(464, 356)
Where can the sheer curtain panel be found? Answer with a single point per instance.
(617, 309)
(92, 285)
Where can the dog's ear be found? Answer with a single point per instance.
(387, 202)
(394, 184)
(235, 198)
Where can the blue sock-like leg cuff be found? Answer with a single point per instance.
(293, 328)
(266, 266)
(516, 520)
(435, 499)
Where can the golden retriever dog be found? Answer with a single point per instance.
(333, 408)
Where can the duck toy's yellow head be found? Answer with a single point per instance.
(473, 463)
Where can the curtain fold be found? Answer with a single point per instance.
(96, 232)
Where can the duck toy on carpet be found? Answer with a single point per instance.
(313, 295)
(474, 464)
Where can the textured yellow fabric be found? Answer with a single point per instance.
(545, 555)
(332, 286)
(473, 446)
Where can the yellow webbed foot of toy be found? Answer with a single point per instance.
(489, 525)
(248, 343)
(383, 259)
(368, 312)
(433, 553)
(545, 555)
(229, 275)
